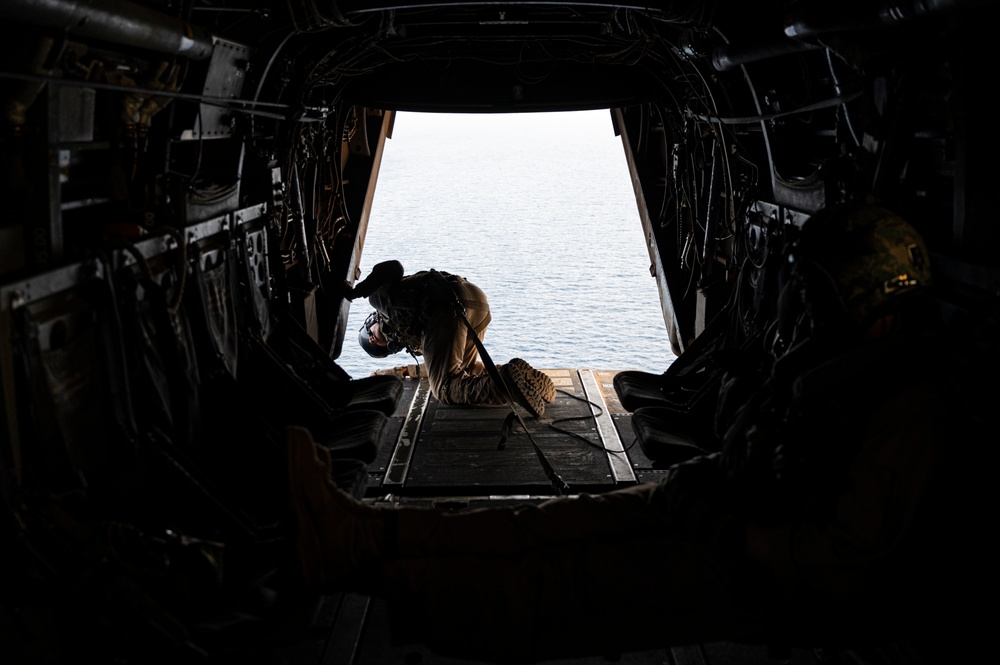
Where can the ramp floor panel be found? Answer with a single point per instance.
(463, 448)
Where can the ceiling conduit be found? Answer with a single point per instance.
(116, 21)
(836, 17)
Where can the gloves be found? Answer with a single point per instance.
(383, 274)
(345, 290)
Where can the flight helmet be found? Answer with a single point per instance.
(853, 262)
(364, 338)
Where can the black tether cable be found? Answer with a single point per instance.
(237, 105)
(577, 435)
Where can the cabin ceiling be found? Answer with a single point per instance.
(468, 56)
(499, 57)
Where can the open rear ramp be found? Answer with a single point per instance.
(433, 448)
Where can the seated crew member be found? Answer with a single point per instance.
(423, 313)
(847, 504)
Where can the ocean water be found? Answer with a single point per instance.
(537, 210)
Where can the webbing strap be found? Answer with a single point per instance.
(558, 483)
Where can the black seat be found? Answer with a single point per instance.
(265, 318)
(667, 435)
(691, 376)
(637, 389)
(293, 344)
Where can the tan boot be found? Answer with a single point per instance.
(332, 533)
(532, 389)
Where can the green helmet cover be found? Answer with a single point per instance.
(857, 258)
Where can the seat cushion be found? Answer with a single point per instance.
(667, 436)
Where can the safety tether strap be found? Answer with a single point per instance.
(558, 483)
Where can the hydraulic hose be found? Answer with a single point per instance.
(116, 21)
(835, 17)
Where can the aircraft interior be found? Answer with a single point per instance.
(187, 185)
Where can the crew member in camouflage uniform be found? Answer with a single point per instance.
(423, 312)
(850, 501)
